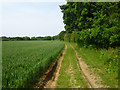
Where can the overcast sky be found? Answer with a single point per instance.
(31, 18)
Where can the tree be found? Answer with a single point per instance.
(61, 35)
(92, 23)
(4, 38)
(47, 38)
(39, 38)
(26, 38)
(33, 38)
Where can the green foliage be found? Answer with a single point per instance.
(61, 35)
(67, 37)
(73, 36)
(28, 38)
(112, 61)
(47, 38)
(5, 38)
(24, 61)
(95, 23)
(33, 38)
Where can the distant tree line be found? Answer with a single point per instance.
(4, 38)
(92, 23)
(60, 36)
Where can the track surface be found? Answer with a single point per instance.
(49, 79)
(89, 76)
(52, 83)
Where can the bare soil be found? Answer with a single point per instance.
(46, 76)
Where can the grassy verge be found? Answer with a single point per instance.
(103, 62)
(70, 75)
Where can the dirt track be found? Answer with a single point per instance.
(49, 79)
(88, 74)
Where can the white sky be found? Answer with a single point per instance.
(31, 18)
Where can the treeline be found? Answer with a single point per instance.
(27, 38)
(60, 36)
(94, 23)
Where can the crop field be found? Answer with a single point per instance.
(22, 61)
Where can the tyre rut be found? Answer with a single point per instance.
(49, 78)
(90, 78)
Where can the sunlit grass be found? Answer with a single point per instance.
(65, 74)
(101, 62)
